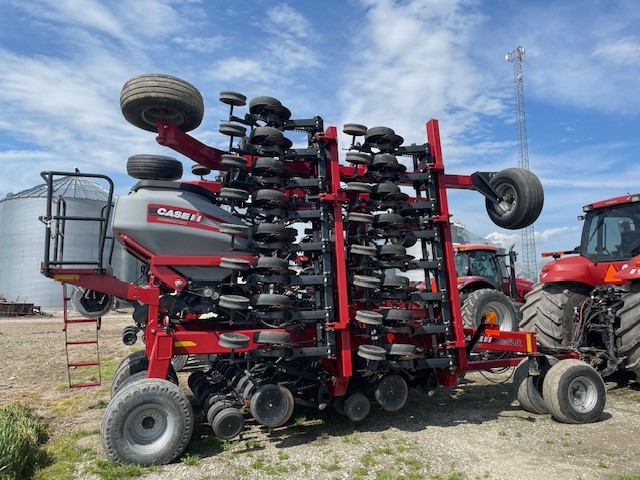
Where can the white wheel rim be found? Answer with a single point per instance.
(148, 429)
(583, 394)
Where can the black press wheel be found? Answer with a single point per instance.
(391, 392)
(368, 317)
(145, 99)
(529, 388)
(271, 405)
(357, 406)
(148, 423)
(574, 392)
(271, 265)
(228, 424)
(235, 194)
(233, 340)
(265, 106)
(233, 161)
(486, 300)
(90, 303)
(233, 98)
(521, 198)
(359, 217)
(268, 198)
(268, 167)
(272, 338)
(354, 129)
(271, 301)
(233, 302)
(269, 137)
(358, 158)
(154, 167)
(372, 352)
(360, 187)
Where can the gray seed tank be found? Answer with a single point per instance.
(22, 242)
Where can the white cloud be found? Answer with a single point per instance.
(619, 51)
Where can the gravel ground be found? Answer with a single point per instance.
(474, 431)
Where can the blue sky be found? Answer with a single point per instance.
(376, 62)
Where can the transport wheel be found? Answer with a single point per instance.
(391, 392)
(271, 301)
(628, 334)
(357, 406)
(359, 217)
(233, 302)
(368, 317)
(366, 281)
(272, 338)
(521, 197)
(372, 352)
(178, 362)
(136, 370)
(234, 161)
(574, 392)
(90, 303)
(148, 423)
(228, 424)
(354, 129)
(269, 167)
(360, 187)
(126, 361)
(269, 137)
(268, 198)
(266, 106)
(485, 300)
(358, 158)
(233, 340)
(154, 167)
(232, 130)
(548, 310)
(233, 98)
(145, 99)
(271, 405)
(529, 389)
(234, 194)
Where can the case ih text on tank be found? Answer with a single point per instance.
(589, 300)
(287, 270)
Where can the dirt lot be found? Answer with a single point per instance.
(475, 431)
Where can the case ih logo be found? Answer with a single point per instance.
(167, 214)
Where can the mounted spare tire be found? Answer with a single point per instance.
(90, 303)
(145, 99)
(478, 303)
(521, 198)
(154, 167)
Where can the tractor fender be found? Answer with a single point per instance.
(630, 271)
(569, 269)
(473, 282)
(522, 288)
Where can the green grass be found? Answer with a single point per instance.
(22, 436)
(64, 455)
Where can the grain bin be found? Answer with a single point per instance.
(22, 240)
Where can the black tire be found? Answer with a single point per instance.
(238, 264)
(269, 137)
(360, 187)
(354, 129)
(397, 315)
(269, 167)
(271, 301)
(359, 217)
(522, 198)
(273, 232)
(548, 310)
(366, 250)
(628, 334)
(234, 161)
(136, 367)
(372, 352)
(574, 392)
(228, 424)
(395, 282)
(357, 406)
(387, 191)
(233, 302)
(268, 198)
(235, 194)
(145, 99)
(232, 130)
(368, 317)
(233, 340)
(178, 362)
(406, 350)
(484, 300)
(126, 361)
(388, 221)
(266, 106)
(358, 158)
(383, 136)
(148, 423)
(391, 392)
(529, 389)
(91, 304)
(200, 170)
(154, 167)
(217, 403)
(271, 405)
(366, 281)
(272, 338)
(233, 98)
(273, 265)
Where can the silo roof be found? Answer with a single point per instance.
(67, 187)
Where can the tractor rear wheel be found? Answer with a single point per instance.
(629, 332)
(484, 300)
(548, 310)
(148, 423)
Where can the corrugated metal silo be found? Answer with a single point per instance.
(22, 239)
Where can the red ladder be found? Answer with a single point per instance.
(83, 354)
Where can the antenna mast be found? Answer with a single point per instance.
(529, 262)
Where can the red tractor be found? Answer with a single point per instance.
(590, 301)
(486, 282)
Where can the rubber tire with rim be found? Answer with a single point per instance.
(526, 203)
(486, 299)
(90, 303)
(574, 392)
(154, 167)
(144, 99)
(529, 389)
(126, 429)
(134, 366)
(548, 310)
(628, 334)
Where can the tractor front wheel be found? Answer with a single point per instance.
(478, 303)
